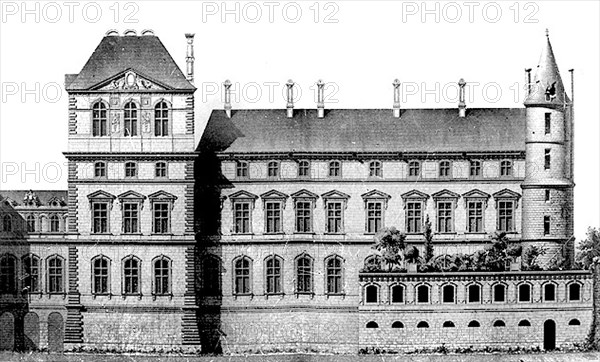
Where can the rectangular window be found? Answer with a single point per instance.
(31, 274)
(547, 195)
(546, 225)
(374, 216)
(100, 217)
(334, 218)
(547, 123)
(131, 218)
(241, 217)
(273, 217)
(547, 159)
(414, 217)
(160, 169)
(55, 275)
(303, 217)
(505, 216)
(475, 216)
(444, 217)
(161, 217)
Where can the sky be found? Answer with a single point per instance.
(357, 47)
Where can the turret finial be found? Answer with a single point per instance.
(547, 33)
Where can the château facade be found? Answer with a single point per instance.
(258, 238)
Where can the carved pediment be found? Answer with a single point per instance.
(376, 194)
(100, 195)
(445, 194)
(162, 195)
(56, 202)
(304, 194)
(415, 194)
(335, 194)
(129, 80)
(476, 194)
(274, 194)
(506, 194)
(242, 195)
(131, 195)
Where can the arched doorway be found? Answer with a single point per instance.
(549, 335)
(32, 331)
(55, 332)
(7, 332)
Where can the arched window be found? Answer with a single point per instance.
(506, 168)
(161, 267)
(54, 223)
(574, 322)
(375, 169)
(333, 270)
(474, 324)
(161, 119)
(100, 275)
(241, 169)
(273, 169)
(549, 292)
(475, 168)
(397, 294)
(574, 292)
(131, 169)
(524, 323)
(335, 169)
(448, 324)
(131, 276)
(211, 276)
(414, 168)
(448, 293)
(160, 169)
(99, 119)
(130, 118)
(372, 324)
(524, 293)
(274, 271)
(499, 293)
(8, 274)
(31, 273)
(474, 291)
(7, 224)
(371, 294)
(55, 272)
(304, 168)
(445, 169)
(423, 324)
(499, 323)
(100, 169)
(30, 223)
(304, 274)
(423, 294)
(397, 324)
(241, 267)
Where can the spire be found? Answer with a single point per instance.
(547, 88)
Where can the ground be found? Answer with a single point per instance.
(43, 357)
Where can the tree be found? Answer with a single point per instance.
(389, 242)
(411, 254)
(428, 233)
(589, 249)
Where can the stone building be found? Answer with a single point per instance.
(257, 238)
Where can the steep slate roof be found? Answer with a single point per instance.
(144, 54)
(44, 195)
(366, 130)
(547, 80)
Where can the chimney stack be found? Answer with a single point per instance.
(290, 98)
(227, 100)
(396, 85)
(320, 99)
(527, 81)
(462, 106)
(189, 58)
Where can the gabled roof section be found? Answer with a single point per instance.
(162, 195)
(506, 193)
(414, 194)
(243, 195)
(100, 194)
(365, 130)
(37, 198)
(58, 201)
(375, 194)
(475, 193)
(131, 195)
(304, 193)
(445, 193)
(115, 54)
(274, 194)
(335, 194)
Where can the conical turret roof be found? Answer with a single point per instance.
(547, 89)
